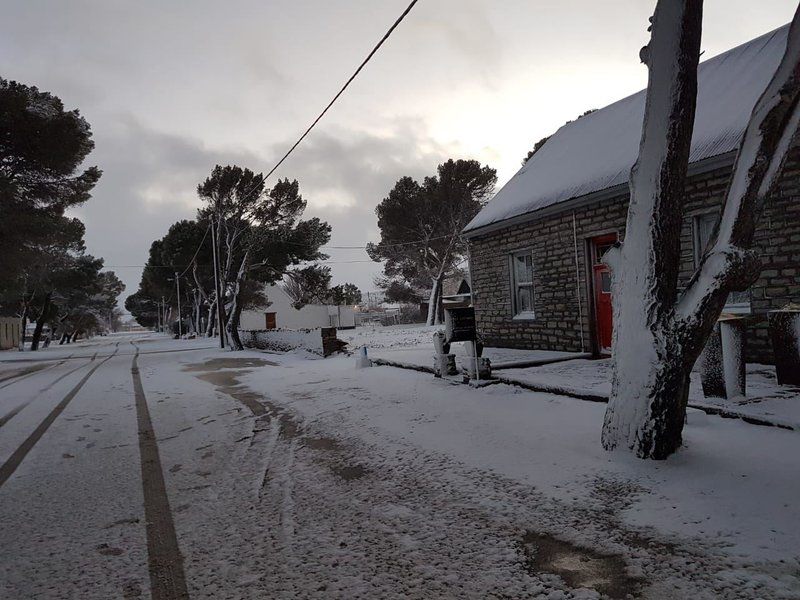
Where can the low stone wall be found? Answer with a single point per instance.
(321, 341)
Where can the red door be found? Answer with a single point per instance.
(270, 320)
(602, 292)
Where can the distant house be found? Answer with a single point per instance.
(281, 314)
(536, 247)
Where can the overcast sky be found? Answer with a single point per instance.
(173, 87)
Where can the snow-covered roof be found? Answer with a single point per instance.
(596, 152)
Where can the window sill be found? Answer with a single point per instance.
(737, 309)
(524, 316)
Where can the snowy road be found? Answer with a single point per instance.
(142, 467)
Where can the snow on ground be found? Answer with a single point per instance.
(290, 476)
(71, 506)
(765, 398)
(413, 345)
(725, 507)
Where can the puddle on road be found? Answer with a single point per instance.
(130, 521)
(321, 443)
(332, 446)
(227, 382)
(230, 363)
(349, 473)
(579, 567)
(107, 550)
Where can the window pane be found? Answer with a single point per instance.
(705, 227)
(522, 269)
(524, 299)
(600, 252)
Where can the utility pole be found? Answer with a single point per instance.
(158, 316)
(164, 315)
(178, 285)
(217, 286)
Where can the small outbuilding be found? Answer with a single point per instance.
(281, 314)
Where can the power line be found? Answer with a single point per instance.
(323, 262)
(344, 87)
(336, 97)
(196, 252)
(261, 180)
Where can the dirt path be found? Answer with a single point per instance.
(167, 578)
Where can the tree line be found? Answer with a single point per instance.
(46, 275)
(421, 223)
(260, 238)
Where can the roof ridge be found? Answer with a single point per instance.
(595, 152)
(767, 37)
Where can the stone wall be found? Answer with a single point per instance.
(322, 341)
(560, 246)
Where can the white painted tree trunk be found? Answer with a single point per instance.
(649, 388)
(236, 305)
(435, 301)
(658, 336)
(212, 319)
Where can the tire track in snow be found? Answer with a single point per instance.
(165, 562)
(8, 467)
(29, 372)
(14, 412)
(64, 376)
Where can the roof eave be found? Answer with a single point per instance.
(697, 168)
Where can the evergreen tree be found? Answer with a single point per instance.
(345, 294)
(421, 225)
(41, 148)
(259, 236)
(308, 285)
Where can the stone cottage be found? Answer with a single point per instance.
(535, 248)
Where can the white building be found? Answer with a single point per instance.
(280, 314)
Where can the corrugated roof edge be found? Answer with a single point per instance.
(698, 167)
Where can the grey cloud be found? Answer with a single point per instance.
(121, 221)
(150, 178)
(168, 86)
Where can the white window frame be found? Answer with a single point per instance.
(697, 250)
(520, 315)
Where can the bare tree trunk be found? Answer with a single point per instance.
(658, 337)
(194, 320)
(647, 406)
(23, 322)
(435, 301)
(212, 318)
(43, 314)
(236, 306)
(202, 298)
